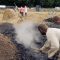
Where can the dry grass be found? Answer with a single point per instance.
(8, 14)
(40, 16)
(11, 16)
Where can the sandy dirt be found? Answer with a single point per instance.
(33, 16)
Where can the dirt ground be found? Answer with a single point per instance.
(13, 16)
(33, 16)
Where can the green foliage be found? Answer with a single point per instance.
(43, 3)
(49, 3)
(7, 2)
(26, 1)
(57, 2)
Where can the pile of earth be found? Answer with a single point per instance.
(53, 22)
(10, 15)
(7, 48)
(7, 29)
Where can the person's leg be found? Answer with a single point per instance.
(22, 13)
(26, 14)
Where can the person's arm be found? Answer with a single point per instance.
(45, 47)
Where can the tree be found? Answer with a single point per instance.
(43, 3)
(7, 2)
(49, 3)
(57, 2)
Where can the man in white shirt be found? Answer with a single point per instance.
(51, 46)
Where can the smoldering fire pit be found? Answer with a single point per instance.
(23, 53)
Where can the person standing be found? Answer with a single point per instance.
(22, 11)
(25, 10)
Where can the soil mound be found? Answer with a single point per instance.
(8, 14)
(7, 49)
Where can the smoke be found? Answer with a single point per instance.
(28, 34)
(30, 37)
